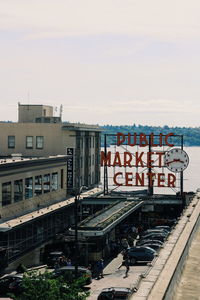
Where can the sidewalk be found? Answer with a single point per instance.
(115, 278)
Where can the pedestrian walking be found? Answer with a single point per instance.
(100, 266)
(125, 263)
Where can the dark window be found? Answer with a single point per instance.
(29, 142)
(6, 193)
(11, 141)
(81, 162)
(81, 143)
(61, 179)
(54, 181)
(28, 187)
(46, 183)
(39, 142)
(38, 185)
(18, 190)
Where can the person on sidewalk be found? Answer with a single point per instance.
(125, 263)
(100, 266)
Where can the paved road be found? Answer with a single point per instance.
(115, 278)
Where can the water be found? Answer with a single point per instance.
(191, 174)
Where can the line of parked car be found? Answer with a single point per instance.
(148, 244)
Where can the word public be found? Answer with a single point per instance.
(138, 159)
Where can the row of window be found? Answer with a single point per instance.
(91, 142)
(33, 186)
(90, 159)
(39, 142)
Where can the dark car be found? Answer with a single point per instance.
(68, 273)
(167, 228)
(140, 253)
(141, 242)
(154, 246)
(8, 282)
(160, 230)
(53, 257)
(115, 293)
(154, 236)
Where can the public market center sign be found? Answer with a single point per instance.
(174, 159)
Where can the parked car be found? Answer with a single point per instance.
(152, 236)
(68, 273)
(167, 228)
(7, 283)
(53, 257)
(152, 245)
(142, 241)
(140, 253)
(161, 230)
(115, 293)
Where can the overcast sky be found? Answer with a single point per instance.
(105, 61)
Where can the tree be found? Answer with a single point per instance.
(46, 287)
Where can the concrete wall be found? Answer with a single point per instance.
(171, 290)
(167, 280)
(52, 134)
(28, 113)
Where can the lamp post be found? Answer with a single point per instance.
(77, 198)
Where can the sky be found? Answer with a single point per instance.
(106, 61)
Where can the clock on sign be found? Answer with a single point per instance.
(176, 160)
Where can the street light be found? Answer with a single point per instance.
(77, 198)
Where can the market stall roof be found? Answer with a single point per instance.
(105, 220)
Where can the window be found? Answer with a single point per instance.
(11, 141)
(38, 185)
(54, 181)
(93, 159)
(18, 190)
(93, 142)
(81, 143)
(46, 183)
(6, 193)
(61, 178)
(29, 142)
(81, 162)
(28, 187)
(39, 142)
(93, 179)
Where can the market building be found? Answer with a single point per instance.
(42, 162)
(39, 134)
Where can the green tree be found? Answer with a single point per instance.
(46, 287)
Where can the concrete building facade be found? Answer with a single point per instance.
(39, 134)
(29, 184)
(33, 204)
